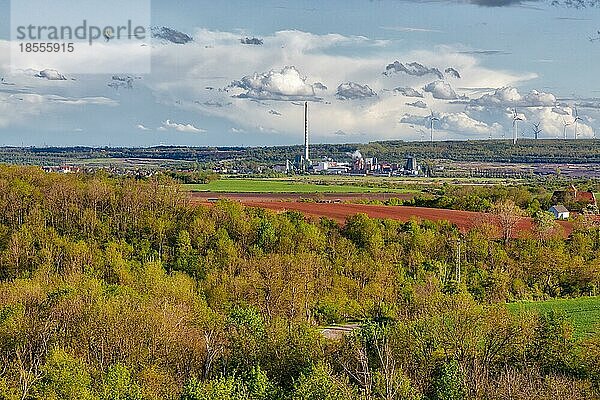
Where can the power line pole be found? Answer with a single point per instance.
(458, 272)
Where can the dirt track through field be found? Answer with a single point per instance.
(464, 220)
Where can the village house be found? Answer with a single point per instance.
(560, 212)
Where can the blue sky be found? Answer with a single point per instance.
(214, 90)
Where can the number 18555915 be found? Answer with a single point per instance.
(32, 47)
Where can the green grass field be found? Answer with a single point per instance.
(287, 186)
(584, 312)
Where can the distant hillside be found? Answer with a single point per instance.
(526, 151)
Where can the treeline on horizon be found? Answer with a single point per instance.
(115, 288)
(526, 151)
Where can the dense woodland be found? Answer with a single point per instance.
(119, 289)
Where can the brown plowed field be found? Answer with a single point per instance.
(464, 220)
(340, 212)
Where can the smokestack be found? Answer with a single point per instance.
(306, 154)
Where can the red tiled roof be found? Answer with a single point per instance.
(585, 197)
(575, 196)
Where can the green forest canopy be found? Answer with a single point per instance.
(115, 288)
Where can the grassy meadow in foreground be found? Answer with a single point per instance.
(584, 312)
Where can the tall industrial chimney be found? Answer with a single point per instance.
(306, 154)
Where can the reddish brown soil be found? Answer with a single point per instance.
(464, 220)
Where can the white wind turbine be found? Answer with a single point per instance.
(432, 119)
(576, 119)
(537, 130)
(516, 119)
(565, 125)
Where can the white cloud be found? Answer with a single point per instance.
(413, 68)
(552, 124)
(537, 99)
(252, 41)
(561, 110)
(98, 101)
(48, 99)
(354, 91)
(452, 72)
(460, 123)
(409, 29)
(510, 97)
(418, 104)
(51, 75)
(264, 129)
(187, 128)
(284, 84)
(142, 127)
(408, 92)
(441, 90)
(170, 35)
